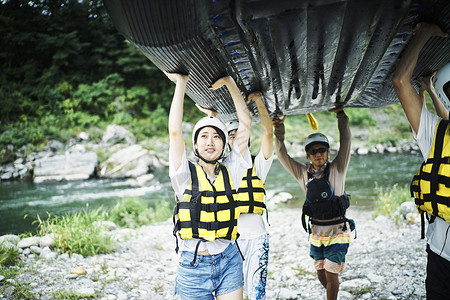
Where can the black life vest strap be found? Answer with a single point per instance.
(176, 226)
(267, 215)
(209, 207)
(208, 225)
(440, 179)
(327, 223)
(195, 202)
(437, 199)
(256, 204)
(252, 190)
(195, 253)
(416, 188)
(237, 245)
(208, 193)
(249, 188)
(442, 160)
(229, 193)
(422, 225)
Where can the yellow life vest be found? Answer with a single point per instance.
(251, 193)
(431, 185)
(207, 211)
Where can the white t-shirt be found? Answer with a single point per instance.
(252, 225)
(181, 178)
(438, 232)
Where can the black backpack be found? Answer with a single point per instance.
(321, 203)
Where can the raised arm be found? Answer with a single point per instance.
(426, 84)
(345, 139)
(291, 165)
(266, 122)
(409, 99)
(176, 118)
(245, 121)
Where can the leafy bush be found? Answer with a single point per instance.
(132, 213)
(361, 117)
(390, 199)
(9, 256)
(385, 137)
(154, 125)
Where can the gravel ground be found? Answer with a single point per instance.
(385, 261)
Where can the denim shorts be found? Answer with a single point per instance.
(210, 276)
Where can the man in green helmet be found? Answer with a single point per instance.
(326, 202)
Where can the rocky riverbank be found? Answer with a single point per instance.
(117, 155)
(385, 261)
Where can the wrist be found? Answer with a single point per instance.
(341, 114)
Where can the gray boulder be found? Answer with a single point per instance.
(28, 242)
(132, 161)
(118, 134)
(11, 238)
(71, 166)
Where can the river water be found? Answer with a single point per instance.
(20, 203)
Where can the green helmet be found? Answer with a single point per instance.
(316, 138)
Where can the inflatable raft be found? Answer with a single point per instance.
(304, 56)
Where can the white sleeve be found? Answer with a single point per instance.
(262, 165)
(237, 165)
(180, 178)
(425, 133)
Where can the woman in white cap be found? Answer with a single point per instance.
(206, 214)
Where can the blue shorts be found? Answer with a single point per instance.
(210, 276)
(329, 250)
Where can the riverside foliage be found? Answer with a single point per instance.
(65, 69)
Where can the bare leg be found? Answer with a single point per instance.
(235, 295)
(332, 285)
(322, 277)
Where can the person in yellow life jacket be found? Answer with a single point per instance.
(433, 138)
(253, 237)
(206, 212)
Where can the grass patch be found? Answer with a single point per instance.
(17, 291)
(76, 232)
(361, 291)
(390, 199)
(9, 256)
(10, 288)
(301, 272)
(81, 232)
(72, 295)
